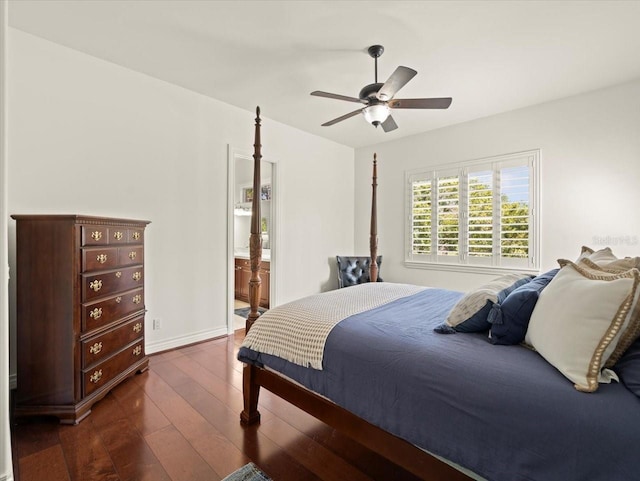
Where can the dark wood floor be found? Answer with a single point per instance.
(180, 421)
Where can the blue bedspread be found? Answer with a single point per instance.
(500, 411)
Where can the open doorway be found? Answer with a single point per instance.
(241, 194)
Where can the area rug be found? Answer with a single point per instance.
(248, 472)
(244, 311)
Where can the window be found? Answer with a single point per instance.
(479, 215)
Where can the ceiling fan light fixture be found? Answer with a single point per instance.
(376, 114)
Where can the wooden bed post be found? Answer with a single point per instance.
(250, 391)
(373, 238)
(255, 239)
(250, 386)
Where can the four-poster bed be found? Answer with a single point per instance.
(365, 360)
(397, 450)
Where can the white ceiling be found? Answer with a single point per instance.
(490, 56)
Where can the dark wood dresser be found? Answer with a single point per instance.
(80, 311)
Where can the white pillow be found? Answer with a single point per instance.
(629, 335)
(579, 319)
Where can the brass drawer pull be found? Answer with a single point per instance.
(137, 276)
(137, 327)
(96, 348)
(96, 285)
(101, 258)
(118, 299)
(136, 235)
(137, 299)
(132, 255)
(96, 235)
(117, 235)
(137, 351)
(96, 376)
(96, 313)
(118, 274)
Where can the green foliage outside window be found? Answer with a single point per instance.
(514, 219)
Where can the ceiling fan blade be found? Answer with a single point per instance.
(398, 79)
(435, 103)
(328, 95)
(344, 117)
(389, 124)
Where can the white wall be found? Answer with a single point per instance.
(6, 468)
(590, 167)
(90, 137)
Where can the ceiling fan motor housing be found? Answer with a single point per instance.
(370, 91)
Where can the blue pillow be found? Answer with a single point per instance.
(470, 313)
(510, 319)
(475, 323)
(628, 368)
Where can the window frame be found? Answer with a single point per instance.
(463, 262)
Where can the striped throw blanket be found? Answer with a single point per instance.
(297, 331)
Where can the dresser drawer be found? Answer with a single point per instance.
(103, 258)
(135, 236)
(129, 255)
(95, 235)
(99, 258)
(118, 235)
(97, 376)
(100, 347)
(106, 283)
(103, 312)
(243, 263)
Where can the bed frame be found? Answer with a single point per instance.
(397, 450)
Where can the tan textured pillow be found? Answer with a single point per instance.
(602, 255)
(606, 259)
(579, 319)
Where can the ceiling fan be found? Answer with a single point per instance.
(378, 97)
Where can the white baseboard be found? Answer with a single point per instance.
(173, 343)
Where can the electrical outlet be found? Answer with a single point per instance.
(156, 324)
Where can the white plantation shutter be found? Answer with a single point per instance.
(515, 214)
(448, 216)
(479, 214)
(421, 239)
